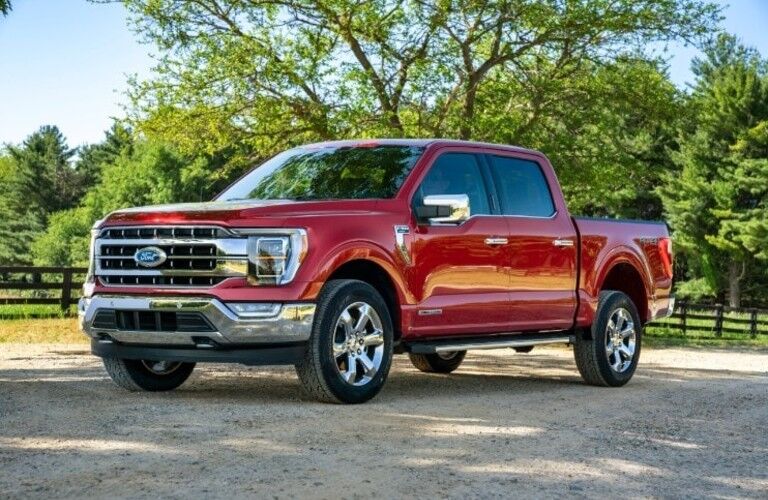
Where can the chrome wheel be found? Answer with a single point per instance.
(358, 343)
(620, 338)
(161, 367)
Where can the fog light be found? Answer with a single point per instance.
(254, 309)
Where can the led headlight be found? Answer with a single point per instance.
(274, 256)
(254, 309)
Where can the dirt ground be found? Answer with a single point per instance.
(691, 423)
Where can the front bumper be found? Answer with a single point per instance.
(291, 324)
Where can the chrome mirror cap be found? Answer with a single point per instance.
(457, 205)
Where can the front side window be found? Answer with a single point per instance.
(328, 173)
(522, 187)
(456, 173)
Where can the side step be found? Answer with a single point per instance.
(487, 342)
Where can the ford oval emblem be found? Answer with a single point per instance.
(150, 256)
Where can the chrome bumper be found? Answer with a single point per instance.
(292, 323)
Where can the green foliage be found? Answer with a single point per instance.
(251, 78)
(5, 7)
(146, 173)
(718, 201)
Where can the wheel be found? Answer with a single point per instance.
(608, 353)
(441, 362)
(146, 375)
(350, 348)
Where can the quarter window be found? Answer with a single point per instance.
(457, 173)
(522, 187)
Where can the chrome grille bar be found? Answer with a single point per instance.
(195, 256)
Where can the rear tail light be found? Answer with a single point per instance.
(665, 253)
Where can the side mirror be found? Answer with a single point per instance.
(444, 209)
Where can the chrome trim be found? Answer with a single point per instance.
(430, 312)
(172, 227)
(563, 243)
(292, 323)
(465, 346)
(496, 241)
(231, 254)
(400, 234)
(457, 203)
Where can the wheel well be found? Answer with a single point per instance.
(625, 278)
(377, 277)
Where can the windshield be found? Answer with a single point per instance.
(328, 173)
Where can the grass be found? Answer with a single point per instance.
(41, 331)
(34, 311)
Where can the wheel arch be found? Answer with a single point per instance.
(623, 274)
(373, 266)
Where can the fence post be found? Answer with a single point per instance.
(753, 323)
(683, 319)
(66, 290)
(719, 320)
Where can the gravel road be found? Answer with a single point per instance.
(691, 423)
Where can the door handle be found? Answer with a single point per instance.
(562, 243)
(496, 241)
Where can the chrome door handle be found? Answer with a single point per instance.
(562, 243)
(496, 241)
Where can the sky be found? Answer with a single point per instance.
(66, 63)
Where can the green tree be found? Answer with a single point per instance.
(45, 176)
(5, 7)
(118, 140)
(252, 77)
(20, 223)
(717, 202)
(147, 173)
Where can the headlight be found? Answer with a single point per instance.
(274, 256)
(89, 278)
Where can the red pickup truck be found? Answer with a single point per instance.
(333, 257)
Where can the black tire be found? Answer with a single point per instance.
(436, 363)
(590, 348)
(319, 371)
(135, 375)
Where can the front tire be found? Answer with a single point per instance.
(146, 375)
(437, 363)
(350, 349)
(608, 354)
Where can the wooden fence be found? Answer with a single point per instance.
(718, 319)
(23, 278)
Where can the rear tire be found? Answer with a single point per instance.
(607, 354)
(437, 363)
(347, 360)
(145, 375)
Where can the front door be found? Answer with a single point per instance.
(459, 270)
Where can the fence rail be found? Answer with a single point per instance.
(716, 319)
(24, 278)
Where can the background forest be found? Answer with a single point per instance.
(580, 80)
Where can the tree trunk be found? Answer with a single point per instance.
(735, 275)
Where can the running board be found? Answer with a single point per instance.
(494, 342)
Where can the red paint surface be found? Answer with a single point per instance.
(528, 284)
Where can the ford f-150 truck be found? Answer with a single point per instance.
(335, 256)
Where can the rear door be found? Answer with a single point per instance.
(459, 273)
(542, 242)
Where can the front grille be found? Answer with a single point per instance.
(172, 232)
(152, 321)
(194, 256)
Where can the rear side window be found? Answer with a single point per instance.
(522, 187)
(457, 173)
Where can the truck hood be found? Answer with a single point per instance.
(244, 213)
